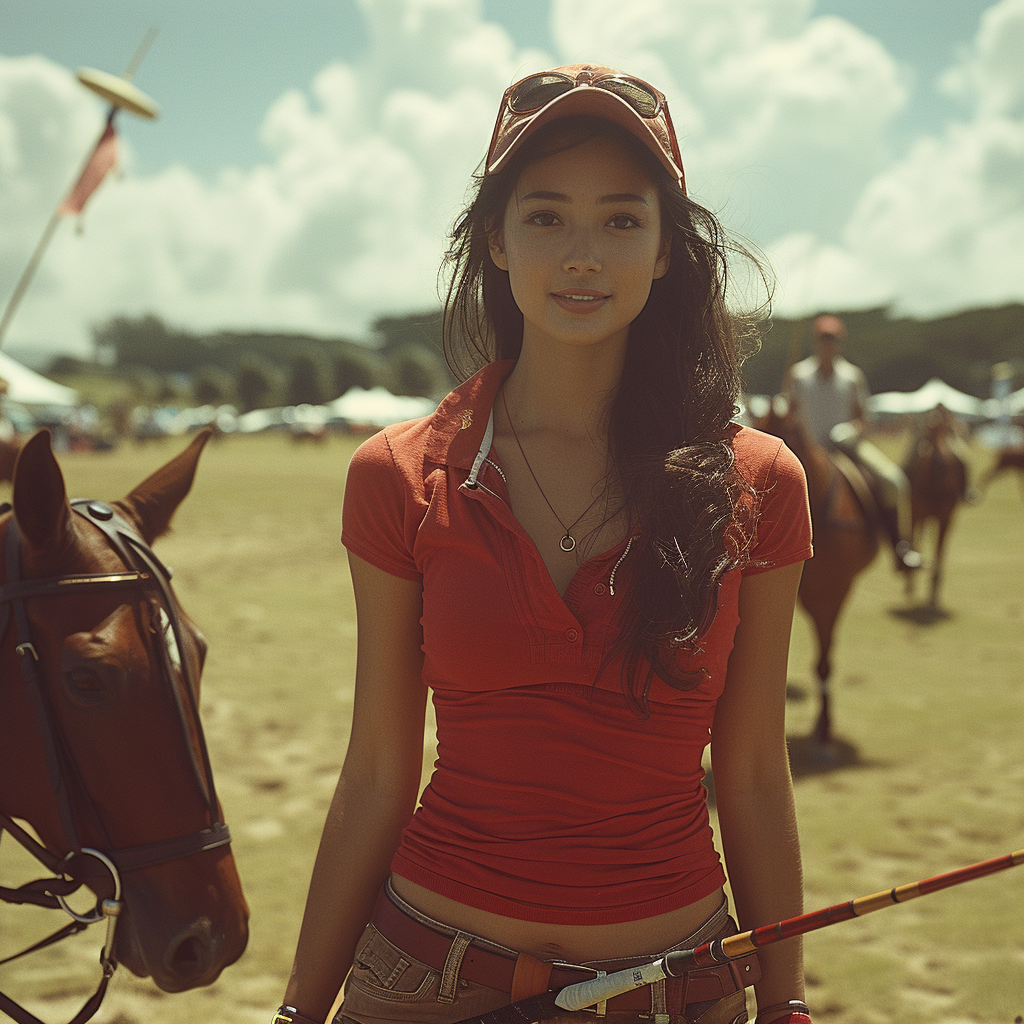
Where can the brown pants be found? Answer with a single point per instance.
(387, 985)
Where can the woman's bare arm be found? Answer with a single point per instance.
(753, 787)
(376, 792)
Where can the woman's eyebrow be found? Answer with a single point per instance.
(554, 197)
(560, 197)
(623, 197)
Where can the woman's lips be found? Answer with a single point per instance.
(580, 300)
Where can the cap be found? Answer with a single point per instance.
(587, 89)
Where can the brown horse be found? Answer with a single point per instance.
(845, 543)
(8, 456)
(1006, 459)
(101, 748)
(938, 483)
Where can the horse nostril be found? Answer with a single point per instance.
(189, 958)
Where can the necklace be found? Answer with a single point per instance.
(568, 542)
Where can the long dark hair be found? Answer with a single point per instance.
(669, 423)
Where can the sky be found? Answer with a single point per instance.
(306, 166)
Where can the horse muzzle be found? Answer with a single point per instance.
(182, 944)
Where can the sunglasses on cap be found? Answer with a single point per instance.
(522, 102)
(537, 91)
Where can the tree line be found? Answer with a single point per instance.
(260, 369)
(902, 353)
(256, 370)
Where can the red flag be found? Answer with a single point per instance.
(103, 158)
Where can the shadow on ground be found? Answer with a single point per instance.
(807, 757)
(921, 615)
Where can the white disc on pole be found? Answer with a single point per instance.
(118, 91)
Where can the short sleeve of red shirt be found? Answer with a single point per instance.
(381, 513)
(782, 533)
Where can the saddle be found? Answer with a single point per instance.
(863, 484)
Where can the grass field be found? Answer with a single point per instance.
(930, 772)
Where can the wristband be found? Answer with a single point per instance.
(289, 1015)
(794, 1011)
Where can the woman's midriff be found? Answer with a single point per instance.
(571, 942)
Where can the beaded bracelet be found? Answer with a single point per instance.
(289, 1015)
(795, 1011)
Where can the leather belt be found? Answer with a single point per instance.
(494, 970)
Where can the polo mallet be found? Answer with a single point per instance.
(719, 951)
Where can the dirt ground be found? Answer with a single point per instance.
(927, 775)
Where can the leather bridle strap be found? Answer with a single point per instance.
(152, 579)
(59, 762)
(87, 1012)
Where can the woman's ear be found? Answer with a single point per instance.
(664, 254)
(496, 247)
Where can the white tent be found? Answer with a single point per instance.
(26, 387)
(378, 407)
(933, 394)
(1011, 405)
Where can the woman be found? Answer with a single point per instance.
(594, 572)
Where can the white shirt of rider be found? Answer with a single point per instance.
(825, 402)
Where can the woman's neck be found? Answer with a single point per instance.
(566, 390)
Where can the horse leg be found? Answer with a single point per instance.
(823, 725)
(824, 625)
(915, 533)
(940, 543)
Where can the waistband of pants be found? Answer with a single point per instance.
(447, 949)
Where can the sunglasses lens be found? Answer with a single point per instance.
(534, 92)
(640, 98)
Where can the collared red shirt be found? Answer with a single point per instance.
(550, 799)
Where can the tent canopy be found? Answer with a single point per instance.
(26, 387)
(933, 394)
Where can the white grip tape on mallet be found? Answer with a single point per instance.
(598, 990)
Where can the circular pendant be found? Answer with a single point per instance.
(567, 543)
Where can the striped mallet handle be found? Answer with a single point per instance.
(596, 990)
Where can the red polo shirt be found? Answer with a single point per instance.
(550, 800)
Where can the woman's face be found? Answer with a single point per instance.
(581, 240)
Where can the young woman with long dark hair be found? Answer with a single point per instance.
(593, 571)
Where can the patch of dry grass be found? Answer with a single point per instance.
(929, 774)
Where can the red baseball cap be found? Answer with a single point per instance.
(588, 89)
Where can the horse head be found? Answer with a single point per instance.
(117, 667)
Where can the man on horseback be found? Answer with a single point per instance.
(830, 394)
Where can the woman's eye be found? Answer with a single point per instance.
(542, 220)
(623, 220)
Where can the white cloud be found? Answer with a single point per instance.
(784, 119)
(943, 227)
(346, 221)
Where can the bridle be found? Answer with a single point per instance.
(148, 577)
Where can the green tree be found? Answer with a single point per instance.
(212, 386)
(308, 378)
(355, 369)
(256, 382)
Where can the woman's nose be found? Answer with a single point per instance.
(582, 255)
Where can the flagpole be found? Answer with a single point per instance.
(37, 256)
(29, 273)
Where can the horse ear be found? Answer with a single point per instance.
(40, 499)
(153, 503)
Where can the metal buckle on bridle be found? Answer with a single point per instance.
(105, 908)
